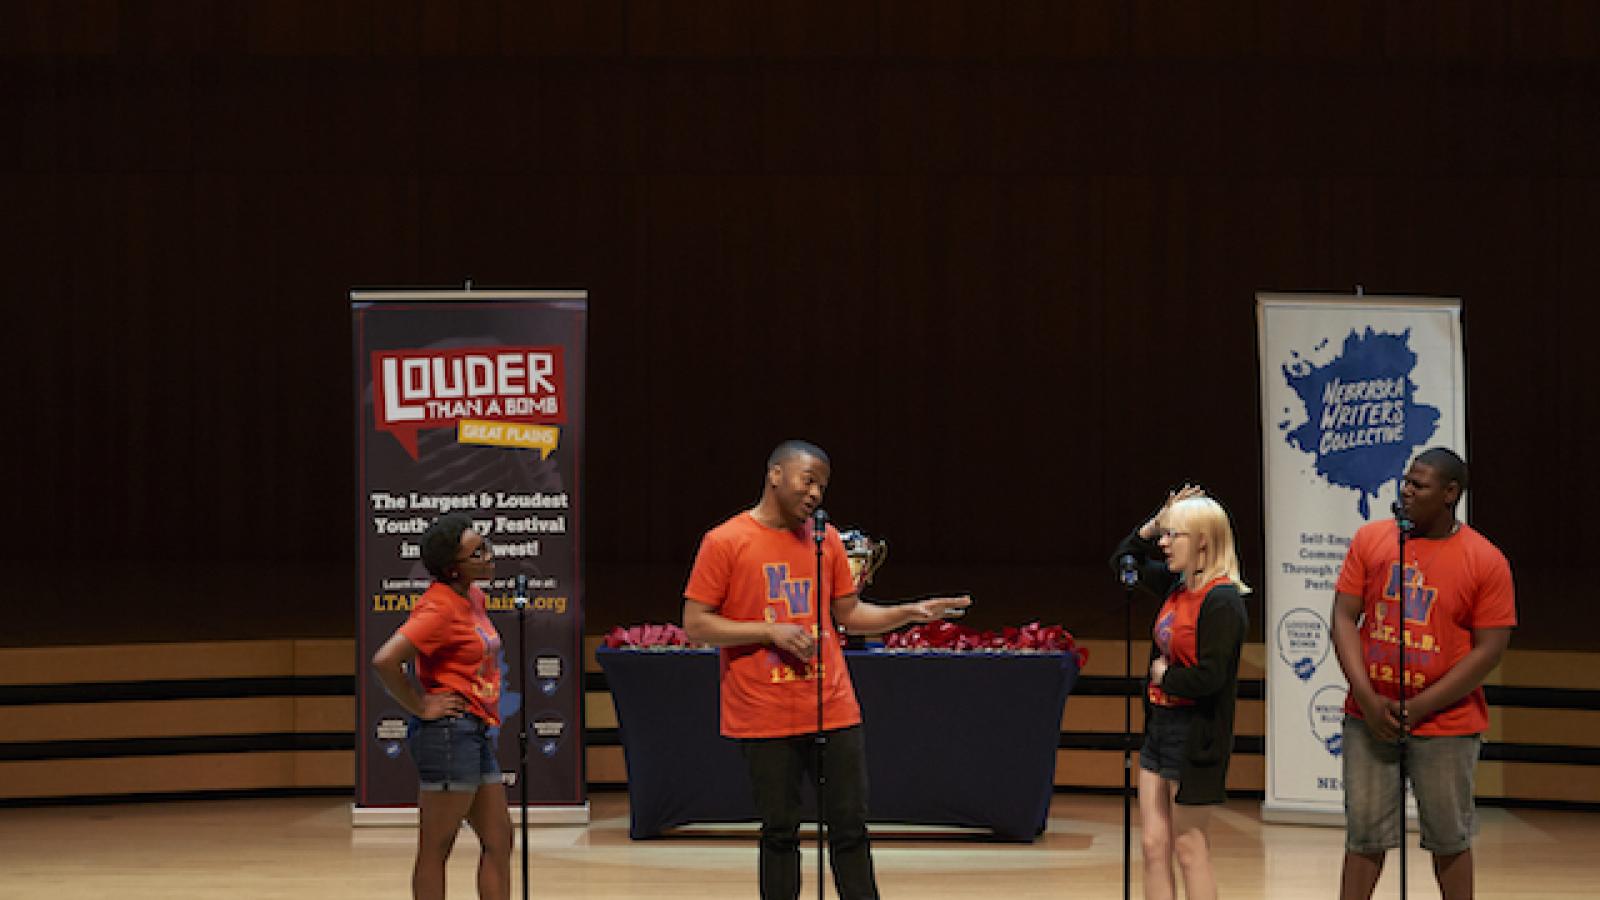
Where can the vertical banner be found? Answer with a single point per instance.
(1352, 387)
(473, 402)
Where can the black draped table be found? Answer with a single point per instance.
(952, 739)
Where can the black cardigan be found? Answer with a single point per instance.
(1213, 682)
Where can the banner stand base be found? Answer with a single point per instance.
(406, 816)
(1295, 814)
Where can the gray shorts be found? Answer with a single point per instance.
(1440, 771)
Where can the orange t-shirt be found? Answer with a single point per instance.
(1452, 586)
(748, 572)
(458, 648)
(1175, 635)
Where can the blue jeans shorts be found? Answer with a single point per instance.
(1166, 733)
(454, 754)
(1440, 770)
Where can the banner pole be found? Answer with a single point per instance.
(522, 740)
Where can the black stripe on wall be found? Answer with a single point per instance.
(1541, 698)
(177, 746)
(1112, 740)
(1542, 753)
(178, 689)
(168, 796)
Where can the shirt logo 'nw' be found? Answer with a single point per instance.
(1418, 597)
(795, 593)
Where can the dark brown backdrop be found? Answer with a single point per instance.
(999, 258)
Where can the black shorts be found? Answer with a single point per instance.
(1166, 732)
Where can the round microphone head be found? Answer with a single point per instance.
(1129, 574)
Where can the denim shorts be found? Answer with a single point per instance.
(1440, 770)
(1166, 733)
(454, 753)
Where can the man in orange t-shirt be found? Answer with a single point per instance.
(1453, 606)
(753, 593)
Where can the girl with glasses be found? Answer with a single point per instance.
(456, 714)
(1185, 555)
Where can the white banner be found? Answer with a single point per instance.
(1352, 388)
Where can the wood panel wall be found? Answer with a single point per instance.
(143, 721)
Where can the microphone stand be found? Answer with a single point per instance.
(1404, 527)
(819, 532)
(1130, 577)
(521, 602)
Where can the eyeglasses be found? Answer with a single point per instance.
(1171, 535)
(485, 551)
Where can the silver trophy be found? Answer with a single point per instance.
(866, 555)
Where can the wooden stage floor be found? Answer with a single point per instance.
(305, 848)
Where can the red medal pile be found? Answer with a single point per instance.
(648, 637)
(943, 637)
(950, 637)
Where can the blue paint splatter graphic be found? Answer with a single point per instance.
(1305, 668)
(1362, 424)
(510, 701)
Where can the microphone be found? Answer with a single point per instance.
(1400, 517)
(520, 595)
(819, 525)
(1128, 570)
